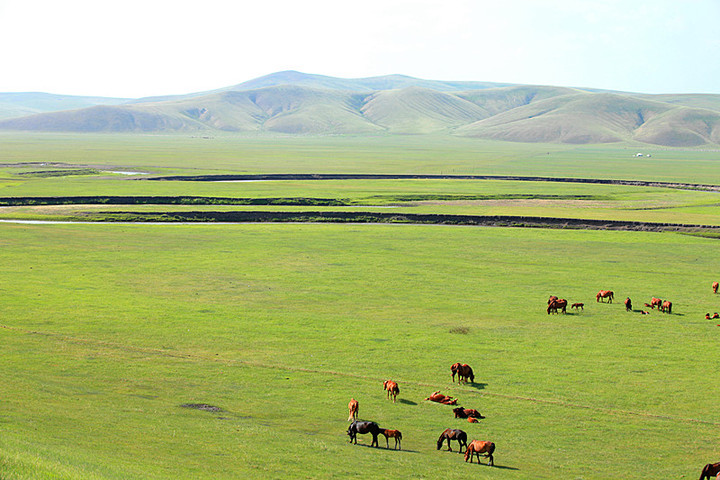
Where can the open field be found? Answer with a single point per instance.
(108, 329)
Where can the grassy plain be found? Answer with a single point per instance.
(108, 329)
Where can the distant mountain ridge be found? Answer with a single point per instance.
(297, 103)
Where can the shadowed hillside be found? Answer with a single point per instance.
(298, 103)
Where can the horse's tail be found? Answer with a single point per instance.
(491, 448)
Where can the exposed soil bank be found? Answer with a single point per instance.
(322, 176)
(368, 217)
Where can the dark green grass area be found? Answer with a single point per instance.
(59, 173)
(111, 328)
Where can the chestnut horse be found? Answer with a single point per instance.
(605, 294)
(451, 434)
(655, 302)
(353, 407)
(552, 299)
(394, 434)
(392, 389)
(557, 305)
(461, 412)
(715, 287)
(709, 471)
(628, 304)
(477, 447)
(666, 306)
(440, 398)
(464, 372)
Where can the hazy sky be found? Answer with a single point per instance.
(140, 48)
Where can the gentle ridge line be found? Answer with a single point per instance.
(192, 356)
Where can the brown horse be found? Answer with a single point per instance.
(581, 306)
(394, 434)
(666, 306)
(461, 412)
(609, 294)
(709, 471)
(628, 305)
(655, 302)
(440, 398)
(477, 447)
(715, 287)
(353, 407)
(451, 434)
(557, 305)
(392, 389)
(464, 372)
(552, 299)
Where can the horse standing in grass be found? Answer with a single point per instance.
(666, 306)
(628, 305)
(363, 428)
(477, 447)
(655, 302)
(353, 408)
(392, 389)
(557, 305)
(394, 434)
(709, 471)
(453, 434)
(464, 372)
(609, 294)
(715, 287)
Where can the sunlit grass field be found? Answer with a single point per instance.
(107, 329)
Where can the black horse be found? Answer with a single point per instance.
(362, 428)
(450, 434)
(710, 470)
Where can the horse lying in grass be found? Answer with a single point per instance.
(477, 447)
(466, 412)
(453, 434)
(440, 398)
(363, 428)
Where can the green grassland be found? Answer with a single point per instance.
(107, 329)
(110, 328)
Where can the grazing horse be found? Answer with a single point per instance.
(451, 434)
(581, 306)
(440, 398)
(477, 447)
(655, 302)
(716, 315)
(353, 410)
(557, 305)
(363, 428)
(666, 306)
(710, 470)
(715, 287)
(464, 371)
(552, 299)
(461, 412)
(392, 389)
(394, 434)
(628, 305)
(605, 294)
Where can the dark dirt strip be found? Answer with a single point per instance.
(391, 217)
(333, 176)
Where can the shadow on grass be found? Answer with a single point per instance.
(407, 402)
(385, 448)
(477, 385)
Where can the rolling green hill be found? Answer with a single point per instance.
(298, 103)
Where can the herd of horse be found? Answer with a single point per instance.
(557, 305)
(473, 449)
(465, 374)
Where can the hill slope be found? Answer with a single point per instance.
(298, 103)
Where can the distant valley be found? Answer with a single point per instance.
(295, 103)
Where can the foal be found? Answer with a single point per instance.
(394, 434)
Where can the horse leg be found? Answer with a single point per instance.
(398, 443)
(449, 449)
(375, 441)
(491, 460)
